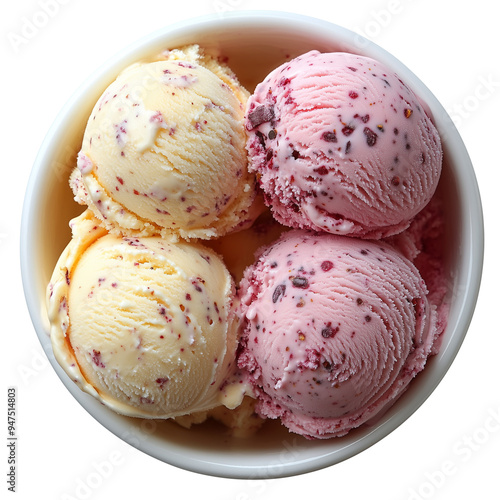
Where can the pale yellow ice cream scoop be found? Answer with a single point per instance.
(146, 326)
(164, 150)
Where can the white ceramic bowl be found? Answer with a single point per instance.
(254, 43)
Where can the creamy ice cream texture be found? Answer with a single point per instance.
(146, 326)
(164, 150)
(336, 328)
(340, 144)
(147, 320)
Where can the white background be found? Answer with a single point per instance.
(446, 450)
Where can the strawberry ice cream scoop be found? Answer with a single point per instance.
(341, 144)
(335, 330)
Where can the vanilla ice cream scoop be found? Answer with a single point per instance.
(164, 150)
(146, 326)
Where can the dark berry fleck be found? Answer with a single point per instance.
(279, 291)
(195, 282)
(329, 136)
(96, 358)
(321, 170)
(260, 114)
(328, 331)
(371, 136)
(364, 118)
(353, 95)
(261, 137)
(162, 381)
(299, 281)
(326, 265)
(348, 130)
(284, 82)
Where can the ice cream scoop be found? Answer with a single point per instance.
(146, 326)
(341, 144)
(335, 330)
(164, 150)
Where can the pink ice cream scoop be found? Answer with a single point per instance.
(341, 144)
(335, 329)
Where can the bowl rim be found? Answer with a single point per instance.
(472, 223)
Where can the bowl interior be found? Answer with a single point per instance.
(253, 43)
